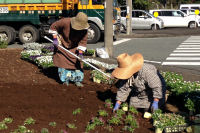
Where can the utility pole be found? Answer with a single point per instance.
(108, 27)
(129, 17)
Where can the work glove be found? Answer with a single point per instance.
(55, 42)
(80, 54)
(117, 105)
(154, 106)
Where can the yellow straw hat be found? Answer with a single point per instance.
(80, 22)
(128, 65)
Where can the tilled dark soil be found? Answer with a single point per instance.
(28, 91)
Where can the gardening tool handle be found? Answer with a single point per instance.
(79, 58)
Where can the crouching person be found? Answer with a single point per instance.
(139, 81)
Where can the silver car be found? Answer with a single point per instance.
(142, 20)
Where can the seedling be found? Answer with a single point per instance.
(77, 111)
(108, 104)
(53, 124)
(8, 120)
(44, 130)
(102, 113)
(29, 121)
(3, 126)
(72, 126)
(109, 128)
(133, 110)
(114, 121)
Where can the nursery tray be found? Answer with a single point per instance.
(175, 129)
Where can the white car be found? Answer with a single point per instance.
(142, 20)
(176, 18)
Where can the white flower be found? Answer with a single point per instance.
(31, 52)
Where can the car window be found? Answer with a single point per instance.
(195, 8)
(176, 14)
(123, 14)
(97, 2)
(139, 14)
(184, 8)
(167, 13)
(185, 11)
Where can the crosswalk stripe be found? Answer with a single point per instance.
(182, 63)
(183, 58)
(187, 53)
(174, 54)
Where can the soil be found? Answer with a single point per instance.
(29, 91)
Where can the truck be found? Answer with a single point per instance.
(30, 20)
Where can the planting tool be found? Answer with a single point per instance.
(78, 57)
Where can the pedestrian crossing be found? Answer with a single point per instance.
(187, 53)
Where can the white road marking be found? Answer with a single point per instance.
(187, 53)
(158, 62)
(183, 58)
(120, 41)
(173, 54)
(182, 63)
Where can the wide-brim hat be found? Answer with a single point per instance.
(80, 22)
(128, 65)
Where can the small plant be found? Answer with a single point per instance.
(133, 110)
(3, 44)
(76, 111)
(72, 126)
(53, 124)
(29, 121)
(119, 113)
(3, 126)
(114, 121)
(90, 126)
(108, 103)
(44, 130)
(102, 113)
(131, 121)
(8, 120)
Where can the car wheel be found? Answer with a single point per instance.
(6, 34)
(94, 34)
(28, 33)
(155, 27)
(192, 25)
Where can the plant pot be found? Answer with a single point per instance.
(96, 80)
(158, 130)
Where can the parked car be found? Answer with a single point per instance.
(189, 6)
(141, 20)
(176, 18)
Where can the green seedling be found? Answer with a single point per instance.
(108, 103)
(29, 121)
(133, 110)
(44, 130)
(53, 124)
(119, 113)
(102, 113)
(72, 126)
(114, 121)
(109, 128)
(8, 120)
(90, 126)
(77, 111)
(3, 126)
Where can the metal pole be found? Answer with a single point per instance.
(108, 35)
(129, 17)
(78, 57)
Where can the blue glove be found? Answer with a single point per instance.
(55, 42)
(117, 105)
(154, 106)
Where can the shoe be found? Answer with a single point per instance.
(79, 84)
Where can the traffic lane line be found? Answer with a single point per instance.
(121, 41)
(182, 63)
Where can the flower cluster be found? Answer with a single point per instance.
(45, 61)
(33, 46)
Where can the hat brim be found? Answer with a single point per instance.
(127, 72)
(77, 26)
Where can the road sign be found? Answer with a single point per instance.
(155, 14)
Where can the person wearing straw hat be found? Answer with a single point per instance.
(71, 33)
(139, 81)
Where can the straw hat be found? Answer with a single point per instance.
(128, 65)
(80, 22)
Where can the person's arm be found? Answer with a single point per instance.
(122, 93)
(83, 43)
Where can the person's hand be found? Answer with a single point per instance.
(55, 42)
(117, 105)
(154, 106)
